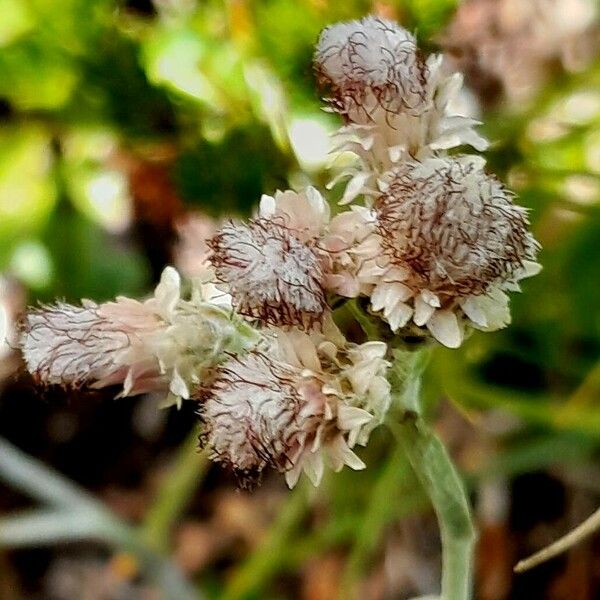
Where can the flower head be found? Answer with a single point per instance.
(295, 405)
(166, 343)
(369, 64)
(271, 274)
(452, 240)
(455, 227)
(91, 344)
(396, 104)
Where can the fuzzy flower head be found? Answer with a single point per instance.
(370, 64)
(452, 240)
(396, 104)
(166, 343)
(271, 274)
(93, 343)
(294, 406)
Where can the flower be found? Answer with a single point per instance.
(396, 104)
(297, 403)
(270, 265)
(369, 65)
(452, 243)
(93, 343)
(166, 343)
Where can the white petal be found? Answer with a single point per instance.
(350, 417)
(167, 292)
(317, 203)
(444, 327)
(530, 268)
(423, 311)
(354, 187)
(267, 206)
(379, 297)
(370, 350)
(400, 316)
(292, 476)
(306, 352)
(430, 298)
(472, 308)
(178, 385)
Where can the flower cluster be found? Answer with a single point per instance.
(446, 240)
(433, 250)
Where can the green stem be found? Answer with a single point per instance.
(442, 483)
(437, 474)
(175, 492)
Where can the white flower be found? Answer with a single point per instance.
(270, 272)
(396, 104)
(452, 243)
(165, 343)
(301, 402)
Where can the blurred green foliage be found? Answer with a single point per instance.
(217, 86)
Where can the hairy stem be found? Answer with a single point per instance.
(438, 476)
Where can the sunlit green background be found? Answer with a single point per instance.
(220, 95)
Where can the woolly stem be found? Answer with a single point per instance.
(439, 478)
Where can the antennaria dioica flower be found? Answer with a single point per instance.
(430, 248)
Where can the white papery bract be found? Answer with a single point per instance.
(163, 344)
(300, 403)
(396, 104)
(452, 243)
(351, 249)
(306, 214)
